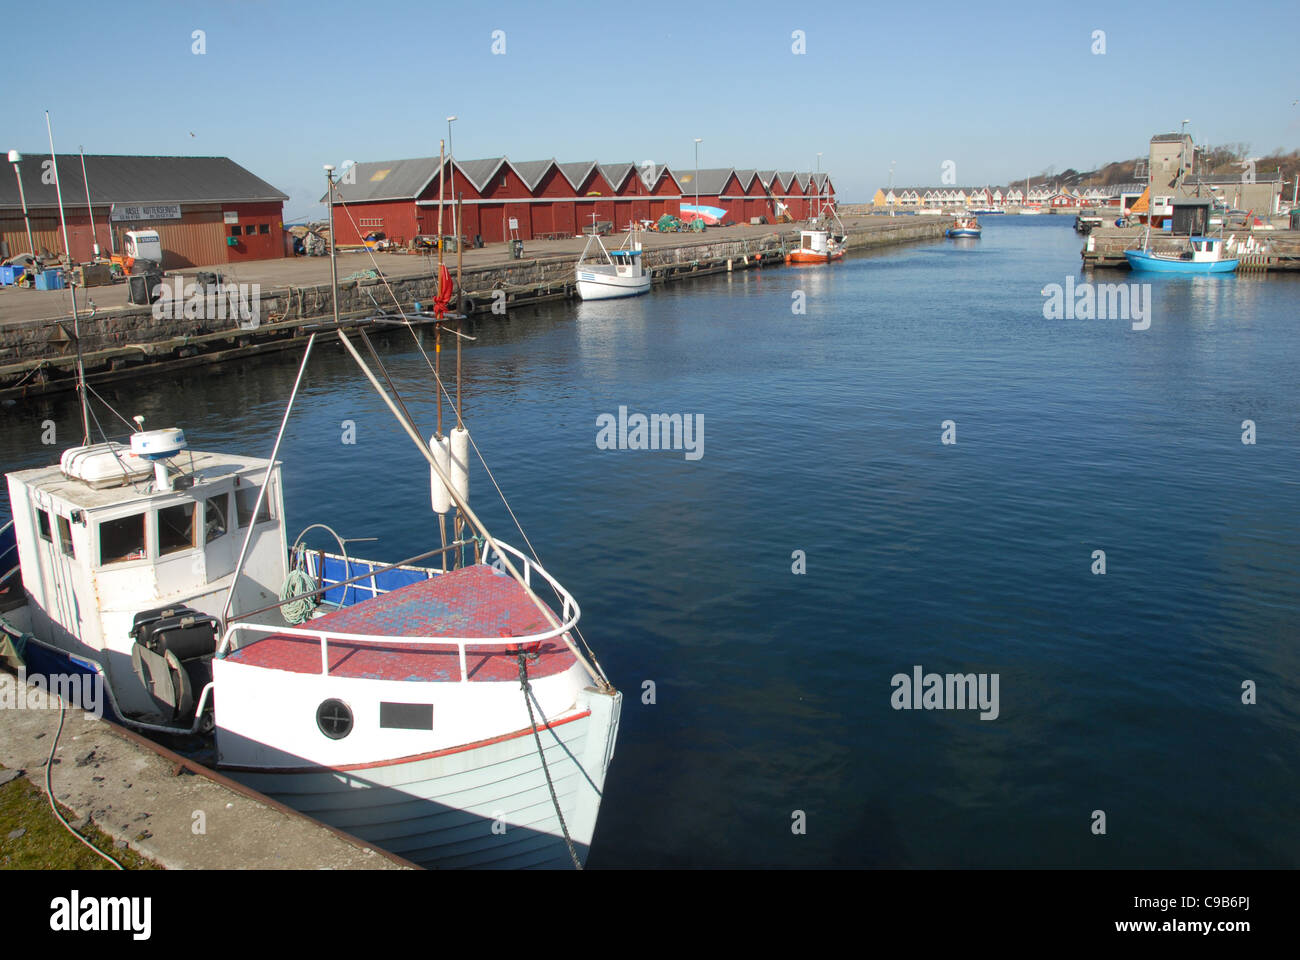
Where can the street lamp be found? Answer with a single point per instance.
(15, 158)
(698, 141)
(817, 184)
(890, 188)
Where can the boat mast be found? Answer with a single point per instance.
(334, 273)
(94, 240)
(72, 289)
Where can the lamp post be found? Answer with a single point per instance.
(15, 158)
(451, 151)
(698, 141)
(817, 184)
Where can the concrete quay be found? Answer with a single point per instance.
(38, 355)
(168, 808)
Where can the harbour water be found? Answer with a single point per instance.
(1119, 692)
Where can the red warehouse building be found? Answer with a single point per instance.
(207, 210)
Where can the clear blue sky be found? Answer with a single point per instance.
(287, 86)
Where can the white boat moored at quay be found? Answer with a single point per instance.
(444, 712)
(620, 275)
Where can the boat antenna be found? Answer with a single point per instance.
(72, 290)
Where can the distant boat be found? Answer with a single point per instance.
(1205, 255)
(816, 246)
(1029, 211)
(987, 211)
(621, 275)
(964, 226)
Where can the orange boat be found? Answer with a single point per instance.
(816, 246)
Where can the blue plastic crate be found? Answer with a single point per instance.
(50, 280)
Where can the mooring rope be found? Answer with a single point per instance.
(527, 688)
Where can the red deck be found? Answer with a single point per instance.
(471, 602)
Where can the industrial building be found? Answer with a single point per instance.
(207, 210)
(541, 199)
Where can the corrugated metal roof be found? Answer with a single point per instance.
(616, 173)
(532, 171)
(711, 181)
(578, 171)
(746, 177)
(133, 179)
(387, 179)
(1167, 137)
(479, 172)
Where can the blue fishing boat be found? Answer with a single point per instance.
(1205, 255)
(964, 227)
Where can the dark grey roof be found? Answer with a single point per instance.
(615, 173)
(479, 172)
(1167, 138)
(129, 179)
(532, 171)
(711, 180)
(578, 171)
(387, 179)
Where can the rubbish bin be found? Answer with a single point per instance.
(143, 288)
(478, 241)
(516, 249)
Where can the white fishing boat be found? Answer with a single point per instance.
(439, 707)
(619, 274)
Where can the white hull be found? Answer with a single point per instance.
(485, 806)
(595, 286)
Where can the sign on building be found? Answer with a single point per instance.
(161, 211)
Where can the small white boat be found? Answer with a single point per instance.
(620, 275)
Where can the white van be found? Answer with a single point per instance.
(142, 245)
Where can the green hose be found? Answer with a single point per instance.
(297, 611)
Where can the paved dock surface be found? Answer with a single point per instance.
(181, 820)
(19, 305)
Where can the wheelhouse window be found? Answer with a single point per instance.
(121, 539)
(176, 528)
(43, 523)
(245, 501)
(216, 517)
(65, 537)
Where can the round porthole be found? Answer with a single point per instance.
(334, 717)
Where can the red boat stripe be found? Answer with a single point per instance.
(448, 751)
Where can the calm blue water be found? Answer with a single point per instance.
(1119, 693)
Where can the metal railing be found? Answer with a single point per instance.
(568, 619)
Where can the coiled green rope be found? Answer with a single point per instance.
(297, 611)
